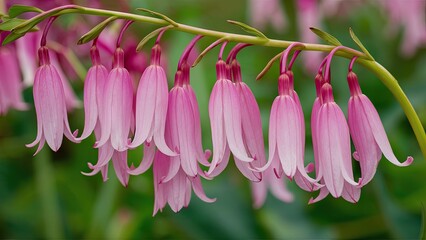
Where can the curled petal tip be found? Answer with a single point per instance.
(408, 161)
(311, 201)
(310, 168)
(207, 153)
(276, 173)
(355, 155)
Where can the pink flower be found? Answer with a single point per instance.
(264, 12)
(116, 116)
(151, 105)
(368, 133)
(253, 140)
(26, 50)
(309, 15)
(331, 134)
(286, 131)
(10, 82)
(49, 101)
(225, 119)
(93, 92)
(411, 16)
(177, 191)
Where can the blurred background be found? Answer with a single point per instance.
(46, 196)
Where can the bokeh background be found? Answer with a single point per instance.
(46, 196)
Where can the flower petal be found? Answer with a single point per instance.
(148, 158)
(232, 121)
(380, 134)
(145, 105)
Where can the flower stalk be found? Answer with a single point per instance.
(382, 73)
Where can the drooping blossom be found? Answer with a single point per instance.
(286, 132)
(116, 116)
(177, 191)
(368, 133)
(183, 128)
(253, 140)
(333, 147)
(225, 119)
(264, 12)
(151, 105)
(10, 82)
(49, 101)
(93, 92)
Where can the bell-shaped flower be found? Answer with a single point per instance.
(286, 132)
(368, 133)
(183, 130)
(10, 82)
(93, 92)
(333, 146)
(225, 119)
(177, 191)
(49, 101)
(116, 115)
(151, 105)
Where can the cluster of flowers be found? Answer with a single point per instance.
(167, 124)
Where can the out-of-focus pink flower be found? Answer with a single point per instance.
(331, 134)
(117, 112)
(411, 16)
(151, 105)
(308, 15)
(264, 12)
(10, 82)
(71, 99)
(177, 191)
(49, 101)
(225, 119)
(93, 92)
(26, 50)
(368, 133)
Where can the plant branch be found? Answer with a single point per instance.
(388, 80)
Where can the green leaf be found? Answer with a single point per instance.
(12, 37)
(248, 29)
(17, 10)
(326, 36)
(360, 45)
(10, 23)
(152, 34)
(159, 15)
(94, 32)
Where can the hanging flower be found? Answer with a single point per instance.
(10, 82)
(368, 133)
(49, 101)
(116, 116)
(151, 105)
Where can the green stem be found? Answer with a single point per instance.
(47, 193)
(388, 80)
(103, 209)
(392, 84)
